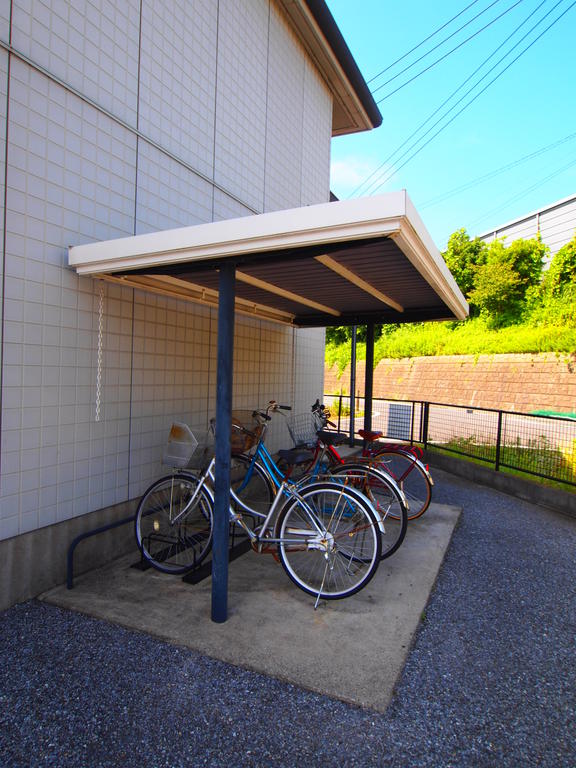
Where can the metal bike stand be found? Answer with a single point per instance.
(235, 550)
(87, 535)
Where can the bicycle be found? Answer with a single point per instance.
(402, 463)
(326, 535)
(257, 475)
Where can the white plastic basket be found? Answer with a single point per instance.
(185, 448)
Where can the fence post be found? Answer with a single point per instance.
(498, 441)
(425, 418)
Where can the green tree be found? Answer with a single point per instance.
(527, 258)
(341, 334)
(506, 279)
(463, 257)
(562, 270)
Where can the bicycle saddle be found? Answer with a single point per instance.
(332, 438)
(299, 455)
(367, 434)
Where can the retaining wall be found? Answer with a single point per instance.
(525, 383)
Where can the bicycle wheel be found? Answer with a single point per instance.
(386, 498)
(251, 483)
(173, 534)
(411, 476)
(329, 540)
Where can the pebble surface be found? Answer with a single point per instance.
(490, 679)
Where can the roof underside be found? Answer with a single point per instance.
(344, 263)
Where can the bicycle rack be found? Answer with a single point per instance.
(86, 535)
(194, 576)
(235, 550)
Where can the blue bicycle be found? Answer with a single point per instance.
(257, 476)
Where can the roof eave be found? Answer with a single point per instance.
(354, 107)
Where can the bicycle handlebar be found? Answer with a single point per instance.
(270, 408)
(320, 410)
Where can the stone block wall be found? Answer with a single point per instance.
(524, 383)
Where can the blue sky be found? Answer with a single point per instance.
(510, 152)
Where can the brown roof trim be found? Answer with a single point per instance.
(331, 31)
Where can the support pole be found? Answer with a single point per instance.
(352, 387)
(369, 377)
(227, 287)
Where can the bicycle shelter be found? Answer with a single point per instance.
(355, 262)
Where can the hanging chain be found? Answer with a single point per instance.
(100, 346)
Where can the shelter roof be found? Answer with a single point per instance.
(342, 263)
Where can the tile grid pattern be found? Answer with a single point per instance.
(87, 160)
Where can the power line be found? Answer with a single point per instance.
(525, 192)
(380, 183)
(497, 172)
(397, 75)
(429, 118)
(421, 43)
(450, 52)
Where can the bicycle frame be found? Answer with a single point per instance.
(368, 454)
(235, 517)
(284, 484)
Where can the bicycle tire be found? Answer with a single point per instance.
(412, 477)
(174, 547)
(386, 498)
(342, 560)
(258, 490)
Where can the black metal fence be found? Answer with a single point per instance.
(544, 446)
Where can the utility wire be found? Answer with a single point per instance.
(487, 176)
(485, 87)
(390, 80)
(427, 120)
(421, 43)
(525, 192)
(450, 52)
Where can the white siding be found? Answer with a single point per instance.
(242, 95)
(91, 45)
(119, 124)
(556, 224)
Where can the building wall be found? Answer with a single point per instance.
(119, 117)
(556, 225)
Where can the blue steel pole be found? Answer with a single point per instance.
(227, 287)
(369, 377)
(352, 388)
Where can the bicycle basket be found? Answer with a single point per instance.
(180, 447)
(186, 448)
(303, 428)
(246, 431)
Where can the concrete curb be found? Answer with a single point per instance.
(535, 493)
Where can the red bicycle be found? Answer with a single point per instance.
(402, 462)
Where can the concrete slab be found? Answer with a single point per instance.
(352, 649)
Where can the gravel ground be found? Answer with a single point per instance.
(490, 681)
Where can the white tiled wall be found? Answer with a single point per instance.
(178, 78)
(315, 152)
(5, 21)
(169, 195)
(93, 372)
(242, 98)
(92, 45)
(3, 110)
(285, 105)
